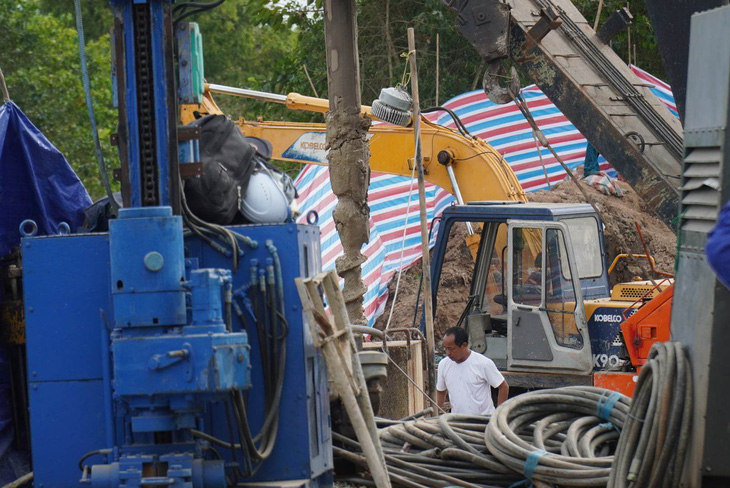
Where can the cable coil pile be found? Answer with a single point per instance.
(572, 436)
(654, 441)
(564, 436)
(444, 451)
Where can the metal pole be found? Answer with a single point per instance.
(425, 260)
(243, 92)
(457, 193)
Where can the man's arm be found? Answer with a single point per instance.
(440, 398)
(502, 392)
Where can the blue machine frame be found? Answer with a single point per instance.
(132, 344)
(68, 329)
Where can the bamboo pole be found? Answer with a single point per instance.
(3, 86)
(425, 260)
(437, 68)
(628, 33)
(598, 14)
(309, 78)
(335, 340)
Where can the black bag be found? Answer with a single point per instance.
(96, 216)
(227, 160)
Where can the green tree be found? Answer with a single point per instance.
(257, 44)
(382, 39)
(642, 34)
(40, 61)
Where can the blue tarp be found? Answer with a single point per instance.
(36, 181)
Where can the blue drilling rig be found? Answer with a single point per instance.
(161, 354)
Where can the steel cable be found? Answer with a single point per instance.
(632, 96)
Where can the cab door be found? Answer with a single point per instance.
(546, 324)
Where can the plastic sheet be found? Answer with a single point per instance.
(36, 181)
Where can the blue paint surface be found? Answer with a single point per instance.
(65, 333)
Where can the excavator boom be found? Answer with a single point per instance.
(576, 68)
(467, 167)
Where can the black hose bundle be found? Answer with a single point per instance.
(266, 291)
(186, 9)
(206, 231)
(654, 440)
(436, 452)
(565, 436)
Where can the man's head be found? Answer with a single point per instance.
(456, 344)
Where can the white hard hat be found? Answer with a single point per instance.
(265, 202)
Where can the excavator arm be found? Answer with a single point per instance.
(467, 167)
(577, 69)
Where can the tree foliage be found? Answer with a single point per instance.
(40, 60)
(259, 44)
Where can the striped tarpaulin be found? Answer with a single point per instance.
(503, 126)
(393, 215)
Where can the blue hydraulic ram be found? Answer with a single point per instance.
(151, 362)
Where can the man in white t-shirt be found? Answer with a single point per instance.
(468, 377)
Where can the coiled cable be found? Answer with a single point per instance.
(654, 441)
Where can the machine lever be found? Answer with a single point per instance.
(156, 481)
(162, 361)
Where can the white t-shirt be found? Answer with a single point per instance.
(469, 383)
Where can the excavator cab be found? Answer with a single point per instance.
(534, 266)
(546, 324)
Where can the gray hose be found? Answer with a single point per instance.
(653, 444)
(560, 437)
(539, 417)
(420, 452)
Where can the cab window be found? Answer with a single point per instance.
(586, 247)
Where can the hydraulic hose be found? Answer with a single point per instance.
(267, 298)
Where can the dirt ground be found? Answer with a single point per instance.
(618, 215)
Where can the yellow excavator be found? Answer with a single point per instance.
(468, 167)
(533, 250)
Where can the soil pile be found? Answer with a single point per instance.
(618, 215)
(453, 289)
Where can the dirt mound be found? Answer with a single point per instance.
(454, 286)
(618, 215)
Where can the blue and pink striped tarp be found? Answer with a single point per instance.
(395, 240)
